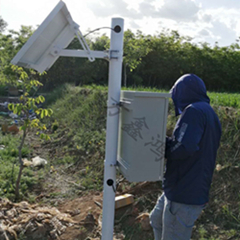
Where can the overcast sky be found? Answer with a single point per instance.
(204, 20)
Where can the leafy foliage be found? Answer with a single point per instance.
(10, 44)
(30, 104)
(26, 105)
(149, 61)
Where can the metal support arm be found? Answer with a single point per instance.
(85, 54)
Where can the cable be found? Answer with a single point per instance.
(97, 29)
(116, 29)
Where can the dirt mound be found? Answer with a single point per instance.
(90, 208)
(74, 219)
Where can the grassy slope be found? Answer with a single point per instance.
(77, 151)
(82, 115)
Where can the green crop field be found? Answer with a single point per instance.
(225, 99)
(217, 98)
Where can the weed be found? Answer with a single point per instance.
(229, 214)
(202, 232)
(55, 125)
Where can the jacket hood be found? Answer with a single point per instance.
(188, 89)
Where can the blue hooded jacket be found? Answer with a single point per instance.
(191, 151)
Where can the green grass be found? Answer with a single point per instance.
(56, 94)
(9, 167)
(81, 117)
(80, 114)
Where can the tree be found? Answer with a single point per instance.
(10, 44)
(151, 61)
(23, 108)
(3, 24)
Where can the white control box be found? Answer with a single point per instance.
(142, 135)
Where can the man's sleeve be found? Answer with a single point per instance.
(186, 136)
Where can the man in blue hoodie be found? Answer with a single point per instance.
(191, 154)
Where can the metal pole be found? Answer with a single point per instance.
(114, 88)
